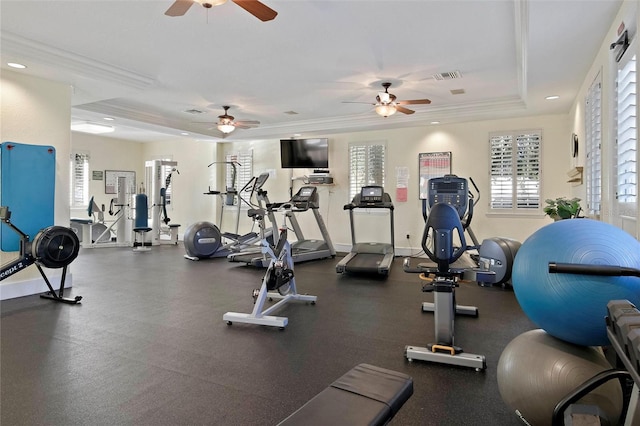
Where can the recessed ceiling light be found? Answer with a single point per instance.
(109, 118)
(16, 65)
(552, 98)
(435, 122)
(93, 128)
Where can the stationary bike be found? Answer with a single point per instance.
(442, 225)
(278, 283)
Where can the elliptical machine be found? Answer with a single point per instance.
(495, 255)
(52, 247)
(204, 239)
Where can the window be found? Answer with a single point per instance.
(593, 142)
(79, 182)
(626, 137)
(238, 176)
(168, 169)
(515, 171)
(366, 165)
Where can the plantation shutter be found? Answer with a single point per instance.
(593, 136)
(626, 137)
(79, 179)
(501, 172)
(244, 170)
(366, 166)
(515, 171)
(528, 171)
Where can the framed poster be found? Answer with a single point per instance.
(431, 165)
(111, 180)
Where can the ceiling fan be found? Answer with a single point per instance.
(227, 123)
(254, 7)
(387, 105)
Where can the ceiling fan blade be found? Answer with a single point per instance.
(414, 102)
(247, 123)
(404, 110)
(179, 8)
(257, 9)
(353, 102)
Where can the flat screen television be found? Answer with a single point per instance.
(304, 153)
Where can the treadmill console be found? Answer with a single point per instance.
(306, 197)
(371, 194)
(449, 189)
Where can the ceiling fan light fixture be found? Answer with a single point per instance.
(226, 128)
(210, 3)
(385, 110)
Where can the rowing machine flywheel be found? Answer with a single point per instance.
(55, 246)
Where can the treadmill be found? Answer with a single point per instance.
(369, 257)
(308, 249)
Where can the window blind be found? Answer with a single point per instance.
(593, 143)
(515, 170)
(244, 170)
(626, 133)
(366, 166)
(79, 179)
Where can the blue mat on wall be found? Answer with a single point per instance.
(27, 187)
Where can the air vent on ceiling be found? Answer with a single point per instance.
(457, 91)
(450, 75)
(194, 111)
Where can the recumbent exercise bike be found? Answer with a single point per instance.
(443, 225)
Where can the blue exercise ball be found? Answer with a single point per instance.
(567, 306)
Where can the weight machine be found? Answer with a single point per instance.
(158, 193)
(52, 247)
(95, 232)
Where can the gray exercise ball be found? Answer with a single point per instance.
(537, 370)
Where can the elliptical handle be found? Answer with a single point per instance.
(600, 270)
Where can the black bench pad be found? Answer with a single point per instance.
(365, 395)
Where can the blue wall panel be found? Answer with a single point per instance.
(27, 187)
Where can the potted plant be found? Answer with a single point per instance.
(563, 208)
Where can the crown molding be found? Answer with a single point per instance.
(76, 65)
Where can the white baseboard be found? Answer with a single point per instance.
(32, 286)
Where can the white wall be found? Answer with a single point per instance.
(189, 203)
(604, 65)
(107, 154)
(469, 145)
(38, 112)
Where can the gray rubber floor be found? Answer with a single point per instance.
(148, 345)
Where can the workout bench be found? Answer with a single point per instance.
(365, 395)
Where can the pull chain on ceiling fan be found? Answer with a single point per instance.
(387, 105)
(254, 7)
